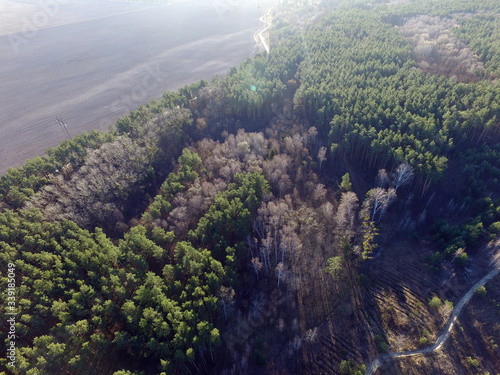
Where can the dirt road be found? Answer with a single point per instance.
(451, 322)
(260, 37)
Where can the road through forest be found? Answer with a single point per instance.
(451, 322)
(260, 35)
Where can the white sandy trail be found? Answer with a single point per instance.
(260, 37)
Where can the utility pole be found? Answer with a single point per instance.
(63, 127)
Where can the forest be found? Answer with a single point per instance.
(315, 208)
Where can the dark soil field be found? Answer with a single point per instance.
(91, 62)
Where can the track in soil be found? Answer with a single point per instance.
(451, 322)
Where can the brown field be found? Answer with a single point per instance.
(91, 62)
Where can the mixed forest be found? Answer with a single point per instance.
(318, 206)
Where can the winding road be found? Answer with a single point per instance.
(260, 37)
(451, 322)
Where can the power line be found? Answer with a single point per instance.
(63, 127)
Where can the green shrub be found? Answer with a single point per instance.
(495, 227)
(481, 291)
(381, 344)
(435, 259)
(345, 367)
(472, 362)
(493, 345)
(462, 259)
(360, 369)
(435, 303)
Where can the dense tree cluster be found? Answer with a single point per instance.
(445, 8)
(359, 84)
(149, 296)
(19, 184)
(483, 33)
(100, 191)
(86, 299)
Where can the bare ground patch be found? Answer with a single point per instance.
(473, 347)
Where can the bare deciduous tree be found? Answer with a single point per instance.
(284, 185)
(289, 240)
(275, 169)
(265, 252)
(257, 265)
(178, 219)
(346, 214)
(294, 145)
(321, 156)
(277, 212)
(310, 136)
(437, 49)
(319, 193)
(311, 335)
(280, 272)
(402, 175)
(327, 209)
(99, 187)
(226, 298)
(379, 199)
(382, 179)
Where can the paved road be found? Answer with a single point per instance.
(451, 322)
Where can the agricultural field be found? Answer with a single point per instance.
(91, 62)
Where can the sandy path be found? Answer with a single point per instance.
(451, 322)
(260, 37)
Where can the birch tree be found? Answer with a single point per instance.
(382, 179)
(402, 175)
(321, 156)
(346, 214)
(379, 199)
(256, 265)
(280, 272)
